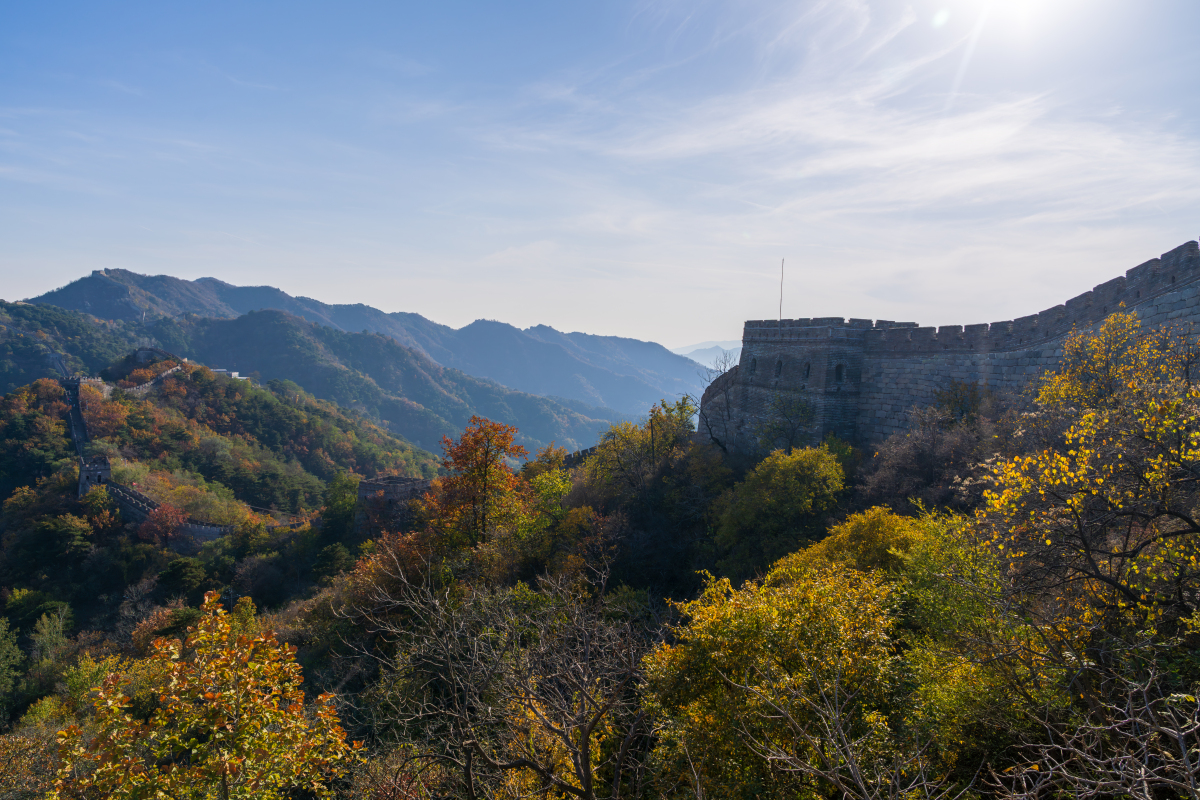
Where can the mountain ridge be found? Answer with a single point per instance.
(371, 374)
(627, 375)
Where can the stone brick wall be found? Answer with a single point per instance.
(389, 499)
(863, 377)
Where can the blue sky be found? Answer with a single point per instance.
(628, 168)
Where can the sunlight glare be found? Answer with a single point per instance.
(1026, 18)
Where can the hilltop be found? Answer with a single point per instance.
(397, 386)
(626, 375)
(273, 446)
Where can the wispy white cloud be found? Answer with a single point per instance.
(533, 254)
(647, 189)
(850, 160)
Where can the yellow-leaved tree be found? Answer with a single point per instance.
(779, 688)
(781, 505)
(230, 722)
(1106, 513)
(1097, 532)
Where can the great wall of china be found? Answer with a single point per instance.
(388, 495)
(96, 470)
(862, 377)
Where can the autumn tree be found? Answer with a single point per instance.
(230, 722)
(1108, 512)
(1097, 534)
(28, 761)
(852, 669)
(100, 509)
(779, 689)
(162, 524)
(481, 492)
(103, 417)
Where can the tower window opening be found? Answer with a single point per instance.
(807, 367)
(778, 367)
(839, 373)
(753, 365)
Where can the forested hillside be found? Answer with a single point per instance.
(32, 336)
(368, 373)
(375, 375)
(999, 603)
(606, 371)
(275, 447)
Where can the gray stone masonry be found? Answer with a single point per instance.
(863, 377)
(389, 498)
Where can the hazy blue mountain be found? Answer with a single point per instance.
(709, 356)
(373, 374)
(687, 350)
(376, 375)
(627, 375)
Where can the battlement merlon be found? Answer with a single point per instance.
(1154, 278)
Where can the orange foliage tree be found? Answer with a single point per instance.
(28, 765)
(162, 524)
(481, 493)
(103, 418)
(230, 723)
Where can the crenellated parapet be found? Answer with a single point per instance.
(1154, 278)
(862, 376)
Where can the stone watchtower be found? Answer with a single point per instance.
(388, 499)
(802, 363)
(860, 379)
(95, 471)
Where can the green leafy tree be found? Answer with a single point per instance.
(780, 506)
(332, 560)
(10, 665)
(33, 433)
(183, 576)
(762, 688)
(628, 457)
(230, 723)
(64, 535)
(341, 500)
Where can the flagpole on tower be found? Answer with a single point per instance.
(781, 293)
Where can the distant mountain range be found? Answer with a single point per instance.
(626, 375)
(376, 375)
(710, 354)
(367, 372)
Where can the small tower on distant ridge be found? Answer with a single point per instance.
(94, 471)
